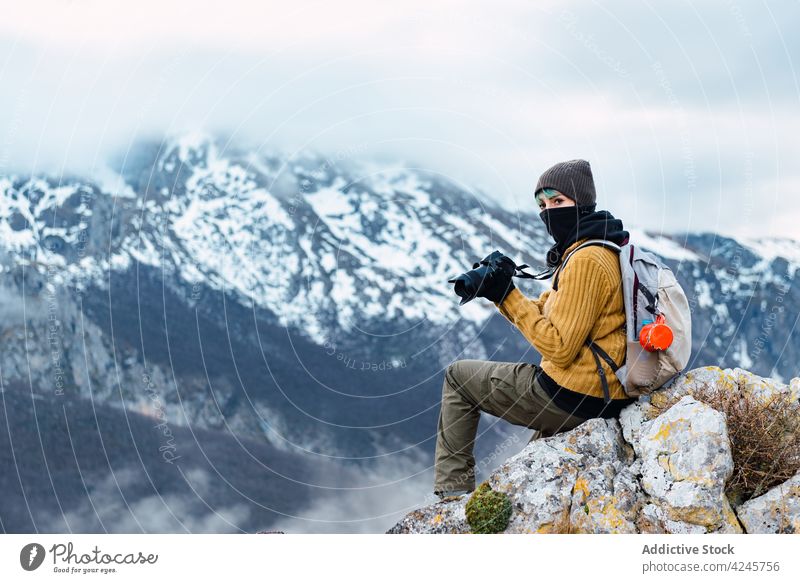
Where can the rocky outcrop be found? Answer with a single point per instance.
(644, 473)
(777, 511)
(735, 379)
(576, 481)
(684, 459)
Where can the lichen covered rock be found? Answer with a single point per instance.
(686, 459)
(550, 482)
(777, 511)
(653, 471)
(731, 379)
(446, 517)
(604, 501)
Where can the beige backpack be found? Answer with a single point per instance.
(649, 288)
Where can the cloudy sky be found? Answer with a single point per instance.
(688, 111)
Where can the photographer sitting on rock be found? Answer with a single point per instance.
(565, 389)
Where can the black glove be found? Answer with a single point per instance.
(498, 282)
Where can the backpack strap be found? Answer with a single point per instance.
(599, 242)
(598, 353)
(651, 299)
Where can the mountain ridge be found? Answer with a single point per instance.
(305, 302)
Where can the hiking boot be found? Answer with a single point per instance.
(448, 495)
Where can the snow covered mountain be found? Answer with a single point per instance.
(302, 299)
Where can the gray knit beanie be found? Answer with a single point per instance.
(573, 178)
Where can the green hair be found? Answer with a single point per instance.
(548, 192)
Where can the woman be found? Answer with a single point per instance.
(565, 389)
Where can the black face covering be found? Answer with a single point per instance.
(560, 222)
(569, 224)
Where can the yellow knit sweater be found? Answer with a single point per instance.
(588, 303)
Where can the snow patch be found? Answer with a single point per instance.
(662, 246)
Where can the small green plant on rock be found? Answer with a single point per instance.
(488, 511)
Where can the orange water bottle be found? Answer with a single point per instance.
(655, 335)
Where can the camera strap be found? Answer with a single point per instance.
(546, 274)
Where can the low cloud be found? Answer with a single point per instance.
(488, 97)
(107, 510)
(390, 487)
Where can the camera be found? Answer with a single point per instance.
(490, 270)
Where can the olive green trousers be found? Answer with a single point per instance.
(508, 390)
